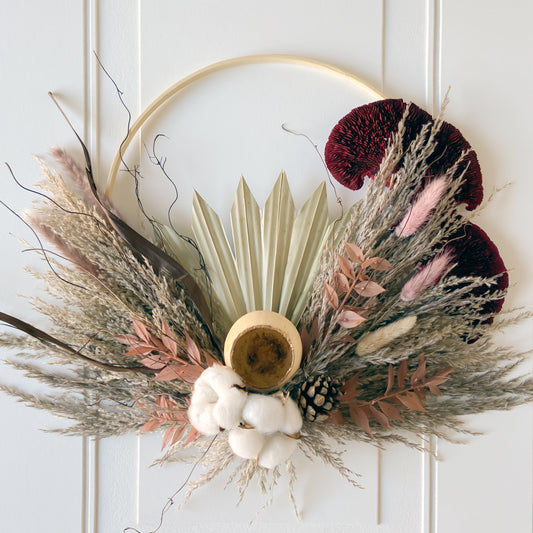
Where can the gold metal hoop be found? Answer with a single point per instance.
(164, 97)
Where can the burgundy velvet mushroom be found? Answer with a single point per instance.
(476, 255)
(358, 142)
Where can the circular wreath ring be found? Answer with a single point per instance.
(173, 90)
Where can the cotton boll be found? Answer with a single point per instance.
(202, 418)
(277, 449)
(203, 392)
(246, 443)
(293, 418)
(228, 409)
(221, 378)
(264, 413)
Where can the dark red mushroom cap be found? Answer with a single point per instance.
(476, 255)
(358, 142)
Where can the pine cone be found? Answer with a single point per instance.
(317, 397)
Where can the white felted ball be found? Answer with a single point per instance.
(277, 449)
(264, 413)
(246, 443)
(221, 378)
(293, 418)
(202, 418)
(228, 409)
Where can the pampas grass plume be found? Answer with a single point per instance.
(427, 276)
(379, 338)
(422, 207)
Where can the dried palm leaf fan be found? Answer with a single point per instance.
(356, 329)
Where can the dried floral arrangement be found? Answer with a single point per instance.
(308, 330)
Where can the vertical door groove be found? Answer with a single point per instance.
(90, 459)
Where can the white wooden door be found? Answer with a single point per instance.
(413, 49)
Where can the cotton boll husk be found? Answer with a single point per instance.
(264, 413)
(228, 409)
(221, 378)
(246, 443)
(277, 449)
(293, 418)
(202, 418)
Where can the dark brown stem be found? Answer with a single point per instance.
(48, 339)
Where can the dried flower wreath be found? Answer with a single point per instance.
(357, 329)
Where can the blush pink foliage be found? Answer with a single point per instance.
(421, 208)
(426, 277)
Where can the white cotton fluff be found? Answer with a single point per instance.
(228, 409)
(277, 449)
(220, 378)
(202, 418)
(246, 443)
(203, 392)
(292, 422)
(264, 413)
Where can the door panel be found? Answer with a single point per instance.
(414, 49)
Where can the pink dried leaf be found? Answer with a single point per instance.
(377, 263)
(390, 411)
(434, 390)
(420, 210)
(168, 436)
(192, 350)
(178, 433)
(168, 338)
(141, 330)
(209, 359)
(187, 373)
(169, 373)
(193, 434)
(154, 362)
(341, 281)
(402, 373)
(161, 401)
(151, 425)
(351, 383)
(306, 340)
(379, 416)
(141, 349)
(368, 288)
(336, 418)
(419, 374)
(331, 295)
(346, 267)
(349, 319)
(360, 418)
(354, 252)
(412, 401)
(439, 378)
(190, 373)
(390, 380)
(427, 276)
